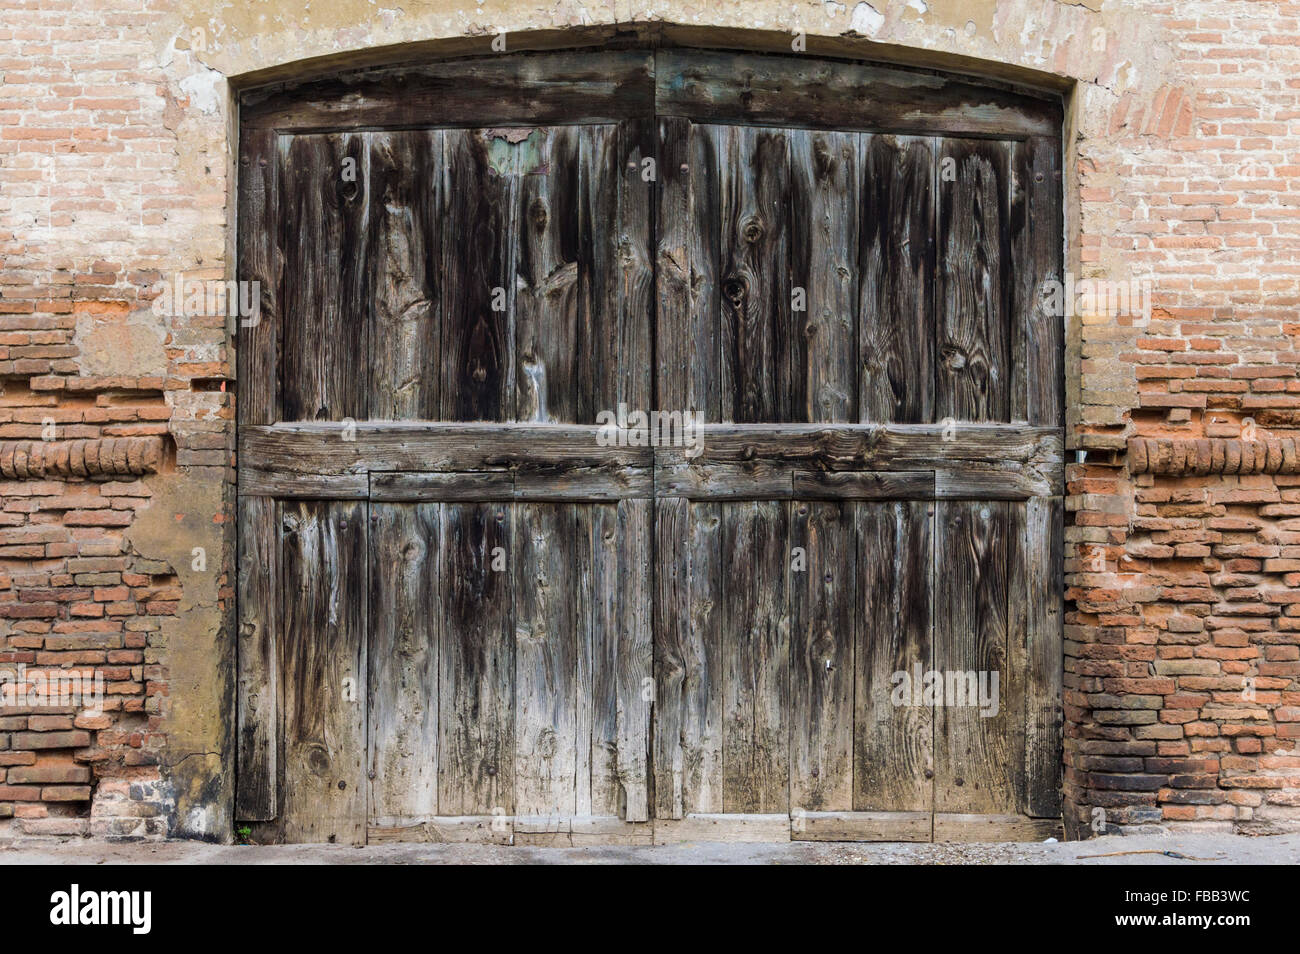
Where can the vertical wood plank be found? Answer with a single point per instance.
(406, 233)
(547, 645)
(893, 749)
(703, 655)
(323, 673)
(822, 631)
(823, 253)
(478, 339)
(552, 253)
(583, 594)
(756, 654)
(476, 659)
(977, 765)
(896, 265)
(671, 631)
(1038, 337)
(257, 731)
(325, 294)
(973, 280)
(258, 209)
(405, 619)
(753, 185)
(1043, 638)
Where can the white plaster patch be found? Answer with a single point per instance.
(204, 89)
(918, 5)
(866, 19)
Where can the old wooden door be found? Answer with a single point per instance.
(467, 614)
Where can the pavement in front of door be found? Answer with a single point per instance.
(1168, 849)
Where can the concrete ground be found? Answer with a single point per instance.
(1176, 850)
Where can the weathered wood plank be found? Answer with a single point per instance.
(258, 334)
(754, 334)
(729, 827)
(803, 91)
(405, 242)
(863, 485)
(671, 633)
(480, 486)
(585, 483)
(1044, 652)
(759, 481)
(258, 724)
(621, 659)
(478, 284)
(405, 619)
(893, 749)
(977, 766)
(756, 658)
(323, 609)
(553, 254)
(449, 830)
(1038, 336)
(702, 688)
(973, 281)
(325, 292)
(823, 254)
(547, 647)
(861, 826)
(476, 660)
(896, 265)
(823, 611)
(952, 826)
(531, 89)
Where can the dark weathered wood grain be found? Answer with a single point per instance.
(893, 745)
(823, 616)
(405, 623)
(823, 253)
(323, 564)
(896, 273)
(325, 294)
(528, 89)
(807, 92)
(405, 241)
(552, 254)
(973, 283)
(671, 631)
(482, 212)
(1038, 337)
(976, 767)
(753, 273)
(257, 729)
(1040, 587)
(258, 335)
(476, 658)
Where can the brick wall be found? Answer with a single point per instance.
(1182, 665)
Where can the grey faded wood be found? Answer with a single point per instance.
(621, 659)
(259, 261)
(671, 632)
(756, 322)
(549, 608)
(551, 258)
(823, 616)
(823, 252)
(476, 661)
(405, 622)
(584, 484)
(479, 268)
(893, 745)
(896, 257)
(480, 486)
(800, 90)
(257, 731)
(756, 658)
(978, 765)
(863, 485)
(702, 688)
(757, 481)
(973, 281)
(405, 238)
(325, 292)
(490, 89)
(1043, 640)
(323, 615)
